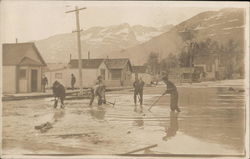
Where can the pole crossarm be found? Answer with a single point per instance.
(76, 10)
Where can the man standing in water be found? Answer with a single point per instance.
(44, 83)
(59, 93)
(138, 92)
(73, 81)
(99, 91)
(172, 90)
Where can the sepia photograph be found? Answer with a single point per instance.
(124, 79)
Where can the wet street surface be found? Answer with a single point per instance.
(211, 122)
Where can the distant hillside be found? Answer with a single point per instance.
(220, 25)
(100, 41)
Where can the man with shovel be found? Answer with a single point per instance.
(98, 91)
(59, 93)
(138, 92)
(172, 90)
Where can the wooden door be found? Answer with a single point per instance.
(34, 79)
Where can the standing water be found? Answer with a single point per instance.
(211, 122)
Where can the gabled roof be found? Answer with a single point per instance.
(13, 54)
(117, 63)
(139, 69)
(86, 63)
(26, 61)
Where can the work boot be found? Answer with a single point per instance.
(178, 110)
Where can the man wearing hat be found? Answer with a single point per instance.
(172, 90)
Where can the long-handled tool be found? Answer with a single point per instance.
(155, 102)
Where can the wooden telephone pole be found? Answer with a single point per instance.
(78, 44)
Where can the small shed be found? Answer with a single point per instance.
(210, 64)
(22, 68)
(181, 74)
(120, 72)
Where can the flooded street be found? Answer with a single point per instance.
(211, 122)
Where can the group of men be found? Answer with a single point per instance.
(99, 89)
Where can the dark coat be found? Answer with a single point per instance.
(58, 90)
(172, 90)
(44, 81)
(138, 86)
(73, 79)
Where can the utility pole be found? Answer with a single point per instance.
(78, 45)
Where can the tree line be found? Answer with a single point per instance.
(231, 56)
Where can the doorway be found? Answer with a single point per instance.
(34, 79)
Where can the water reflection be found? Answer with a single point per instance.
(59, 114)
(98, 113)
(173, 128)
(215, 115)
(139, 122)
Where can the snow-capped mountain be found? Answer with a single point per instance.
(99, 41)
(136, 42)
(221, 26)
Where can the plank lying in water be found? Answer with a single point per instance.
(141, 149)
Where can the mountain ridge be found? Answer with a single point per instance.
(98, 40)
(220, 26)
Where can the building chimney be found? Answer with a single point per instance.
(88, 55)
(16, 40)
(107, 57)
(69, 57)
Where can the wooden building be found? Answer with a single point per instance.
(22, 68)
(120, 72)
(115, 72)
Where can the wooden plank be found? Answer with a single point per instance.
(141, 149)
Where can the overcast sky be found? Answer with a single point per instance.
(35, 20)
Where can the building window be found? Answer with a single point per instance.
(116, 74)
(22, 74)
(103, 73)
(58, 76)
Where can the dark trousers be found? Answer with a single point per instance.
(92, 96)
(174, 100)
(56, 101)
(140, 94)
(72, 86)
(101, 99)
(43, 87)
